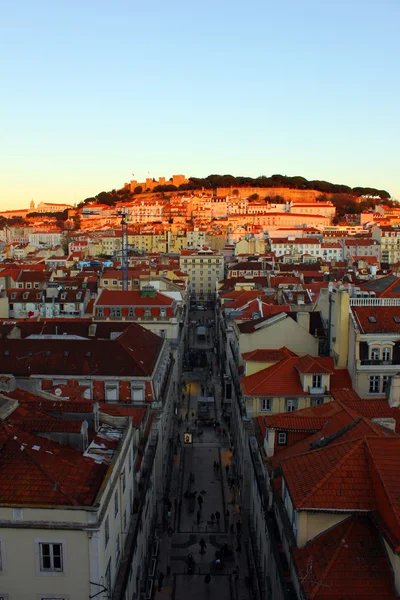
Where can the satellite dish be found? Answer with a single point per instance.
(58, 392)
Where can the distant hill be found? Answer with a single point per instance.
(280, 181)
(275, 188)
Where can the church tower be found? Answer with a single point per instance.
(32, 205)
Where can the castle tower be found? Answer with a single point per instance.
(32, 205)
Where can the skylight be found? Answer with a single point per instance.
(396, 319)
(372, 319)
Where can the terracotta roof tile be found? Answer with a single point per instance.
(268, 355)
(335, 477)
(347, 561)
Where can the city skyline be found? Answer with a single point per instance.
(97, 93)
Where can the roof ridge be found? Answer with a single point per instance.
(14, 438)
(335, 555)
(357, 444)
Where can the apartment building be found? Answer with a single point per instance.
(389, 238)
(325, 534)
(205, 268)
(365, 333)
(73, 494)
(157, 312)
(290, 384)
(296, 246)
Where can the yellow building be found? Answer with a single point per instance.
(291, 384)
(205, 268)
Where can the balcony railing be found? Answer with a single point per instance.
(378, 363)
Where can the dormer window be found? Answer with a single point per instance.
(147, 312)
(163, 312)
(79, 295)
(25, 295)
(13, 296)
(63, 296)
(317, 381)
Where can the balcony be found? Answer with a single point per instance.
(378, 363)
(317, 390)
(385, 366)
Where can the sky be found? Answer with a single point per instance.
(96, 93)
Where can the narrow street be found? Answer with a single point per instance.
(195, 474)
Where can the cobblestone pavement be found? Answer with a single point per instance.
(187, 526)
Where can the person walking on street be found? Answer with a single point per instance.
(160, 580)
(207, 578)
(227, 513)
(225, 549)
(215, 465)
(203, 546)
(200, 501)
(198, 517)
(212, 518)
(218, 467)
(187, 417)
(217, 516)
(227, 470)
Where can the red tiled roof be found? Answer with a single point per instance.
(38, 471)
(294, 421)
(334, 477)
(136, 413)
(382, 318)
(133, 353)
(310, 364)
(348, 561)
(131, 298)
(268, 355)
(282, 378)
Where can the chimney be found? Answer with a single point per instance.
(303, 319)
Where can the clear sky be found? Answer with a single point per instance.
(93, 91)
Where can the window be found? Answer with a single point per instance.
(106, 532)
(116, 503)
(374, 382)
(385, 380)
(137, 393)
(51, 557)
(291, 404)
(106, 282)
(163, 312)
(117, 549)
(100, 312)
(316, 401)
(375, 354)
(123, 480)
(147, 312)
(317, 381)
(108, 579)
(282, 438)
(131, 312)
(111, 392)
(386, 354)
(265, 404)
(115, 312)
(115, 282)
